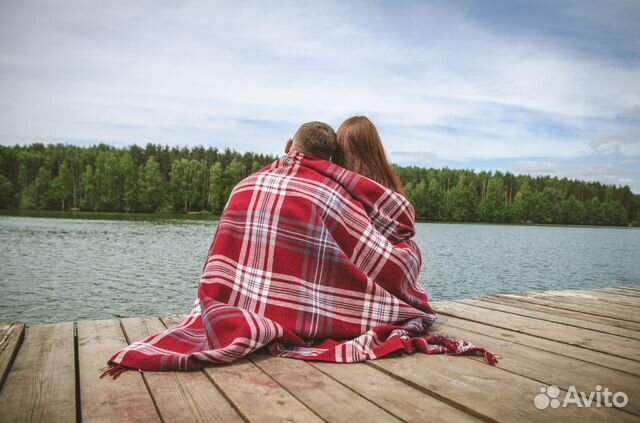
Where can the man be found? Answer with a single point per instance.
(309, 259)
(314, 138)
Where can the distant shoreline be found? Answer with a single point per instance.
(207, 216)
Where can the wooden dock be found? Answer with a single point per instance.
(586, 339)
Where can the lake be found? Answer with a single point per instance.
(56, 270)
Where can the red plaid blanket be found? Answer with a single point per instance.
(311, 260)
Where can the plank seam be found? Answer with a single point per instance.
(14, 354)
(226, 397)
(215, 385)
(577, 297)
(534, 347)
(542, 337)
(569, 313)
(624, 410)
(527, 300)
(623, 293)
(76, 363)
(360, 394)
(290, 393)
(433, 394)
(488, 307)
(144, 379)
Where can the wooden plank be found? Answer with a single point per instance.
(568, 321)
(553, 369)
(40, 386)
(396, 397)
(257, 396)
(589, 356)
(597, 341)
(612, 297)
(400, 399)
(180, 396)
(125, 399)
(330, 400)
(562, 312)
(171, 321)
(11, 335)
(621, 291)
(495, 394)
(556, 302)
(588, 299)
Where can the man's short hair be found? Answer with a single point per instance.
(317, 139)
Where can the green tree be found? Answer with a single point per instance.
(42, 188)
(179, 185)
(216, 188)
(571, 211)
(546, 206)
(460, 202)
(492, 208)
(152, 186)
(232, 174)
(108, 182)
(62, 186)
(593, 213)
(196, 172)
(523, 203)
(88, 185)
(6, 192)
(130, 191)
(256, 166)
(614, 213)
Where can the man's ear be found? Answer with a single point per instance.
(287, 147)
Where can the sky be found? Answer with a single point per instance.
(531, 87)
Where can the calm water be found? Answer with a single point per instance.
(55, 270)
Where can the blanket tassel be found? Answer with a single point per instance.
(114, 371)
(492, 359)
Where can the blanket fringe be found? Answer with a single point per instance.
(460, 347)
(491, 358)
(114, 371)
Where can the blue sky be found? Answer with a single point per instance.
(537, 87)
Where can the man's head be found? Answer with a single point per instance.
(314, 138)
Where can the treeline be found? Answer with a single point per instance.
(467, 196)
(167, 179)
(133, 179)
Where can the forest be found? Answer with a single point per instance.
(162, 179)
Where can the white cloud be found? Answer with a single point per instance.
(195, 72)
(625, 142)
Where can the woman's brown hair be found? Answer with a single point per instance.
(360, 150)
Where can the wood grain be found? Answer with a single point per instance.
(590, 357)
(550, 317)
(11, 335)
(40, 386)
(329, 399)
(181, 397)
(585, 338)
(491, 392)
(398, 398)
(125, 399)
(562, 312)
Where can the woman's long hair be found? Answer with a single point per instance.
(360, 150)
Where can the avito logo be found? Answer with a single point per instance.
(549, 396)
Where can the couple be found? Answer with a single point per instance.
(312, 259)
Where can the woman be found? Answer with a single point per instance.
(360, 150)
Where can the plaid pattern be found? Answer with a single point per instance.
(311, 260)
